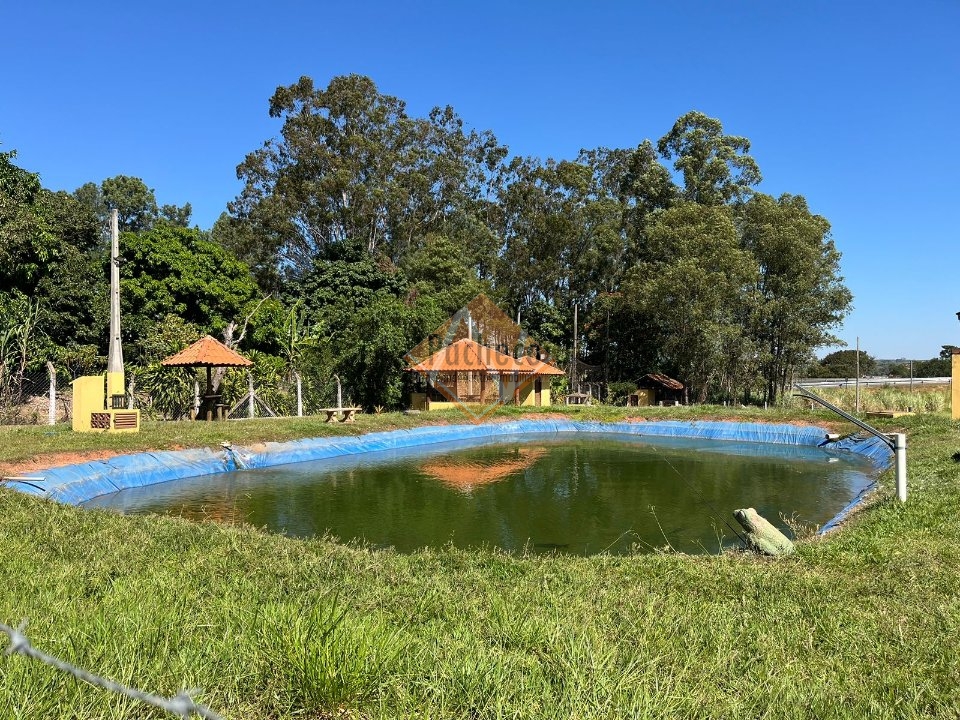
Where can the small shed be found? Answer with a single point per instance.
(656, 389)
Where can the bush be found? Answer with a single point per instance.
(617, 392)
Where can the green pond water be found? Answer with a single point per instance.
(579, 494)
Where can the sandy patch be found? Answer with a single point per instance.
(51, 460)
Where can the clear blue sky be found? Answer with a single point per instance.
(854, 105)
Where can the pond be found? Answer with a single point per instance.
(572, 494)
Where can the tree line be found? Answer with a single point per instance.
(360, 227)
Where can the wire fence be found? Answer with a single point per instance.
(181, 705)
(43, 396)
(30, 397)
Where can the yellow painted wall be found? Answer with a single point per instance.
(527, 399)
(955, 387)
(115, 385)
(88, 397)
(528, 396)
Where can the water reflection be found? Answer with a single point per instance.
(464, 474)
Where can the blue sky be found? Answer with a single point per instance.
(852, 104)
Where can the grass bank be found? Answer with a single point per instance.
(859, 624)
(40, 444)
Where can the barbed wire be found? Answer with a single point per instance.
(181, 704)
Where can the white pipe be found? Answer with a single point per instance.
(900, 451)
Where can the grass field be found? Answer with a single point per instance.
(862, 623)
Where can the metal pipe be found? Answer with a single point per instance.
(846, 416)
(895, 441)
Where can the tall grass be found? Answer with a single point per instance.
(923, 399)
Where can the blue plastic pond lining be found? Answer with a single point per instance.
(75, 484)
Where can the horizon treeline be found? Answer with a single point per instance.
(360, 228)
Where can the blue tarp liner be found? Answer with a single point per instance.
(75, 484)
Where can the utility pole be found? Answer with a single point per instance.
(115, 383)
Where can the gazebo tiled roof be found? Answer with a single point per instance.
(207, 352)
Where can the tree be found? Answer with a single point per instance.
(716, 168)
(172, 270)
(50, 250)
(26, 243)
(437, 270)
(351, 167)
(934, 367)
(561, 228)
(843, 364)
(240, 237)
(691, 288)
(176, 215)
(799, 294)
(135, 203)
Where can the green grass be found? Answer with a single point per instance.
(860, 624)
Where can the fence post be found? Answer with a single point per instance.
(299, 394)
(250, 399)
(52, 410)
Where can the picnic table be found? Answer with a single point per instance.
(348, 413)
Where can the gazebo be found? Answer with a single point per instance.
(208, 352)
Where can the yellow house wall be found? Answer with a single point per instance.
(528, 396)
(527, 399)
(955, 387)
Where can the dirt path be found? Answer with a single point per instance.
(50, 460)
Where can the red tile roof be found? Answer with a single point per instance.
(207, 352)
(467, 355)
(533, 366)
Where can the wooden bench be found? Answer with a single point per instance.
(348, 413)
